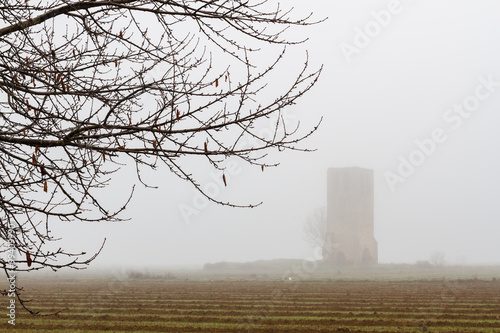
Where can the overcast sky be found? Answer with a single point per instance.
(411, 89)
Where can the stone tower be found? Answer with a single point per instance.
(350, 217)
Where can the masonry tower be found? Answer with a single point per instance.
(350, 201)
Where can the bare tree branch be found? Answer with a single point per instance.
(89, 86)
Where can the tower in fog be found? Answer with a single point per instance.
(350, 200)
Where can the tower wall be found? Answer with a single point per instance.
(350, 199)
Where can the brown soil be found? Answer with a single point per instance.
(260, 306)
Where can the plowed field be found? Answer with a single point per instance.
(95, 305)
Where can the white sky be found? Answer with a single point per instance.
(395, 90)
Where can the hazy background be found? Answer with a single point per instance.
(395, 91)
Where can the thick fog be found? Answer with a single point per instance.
(410, 89)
